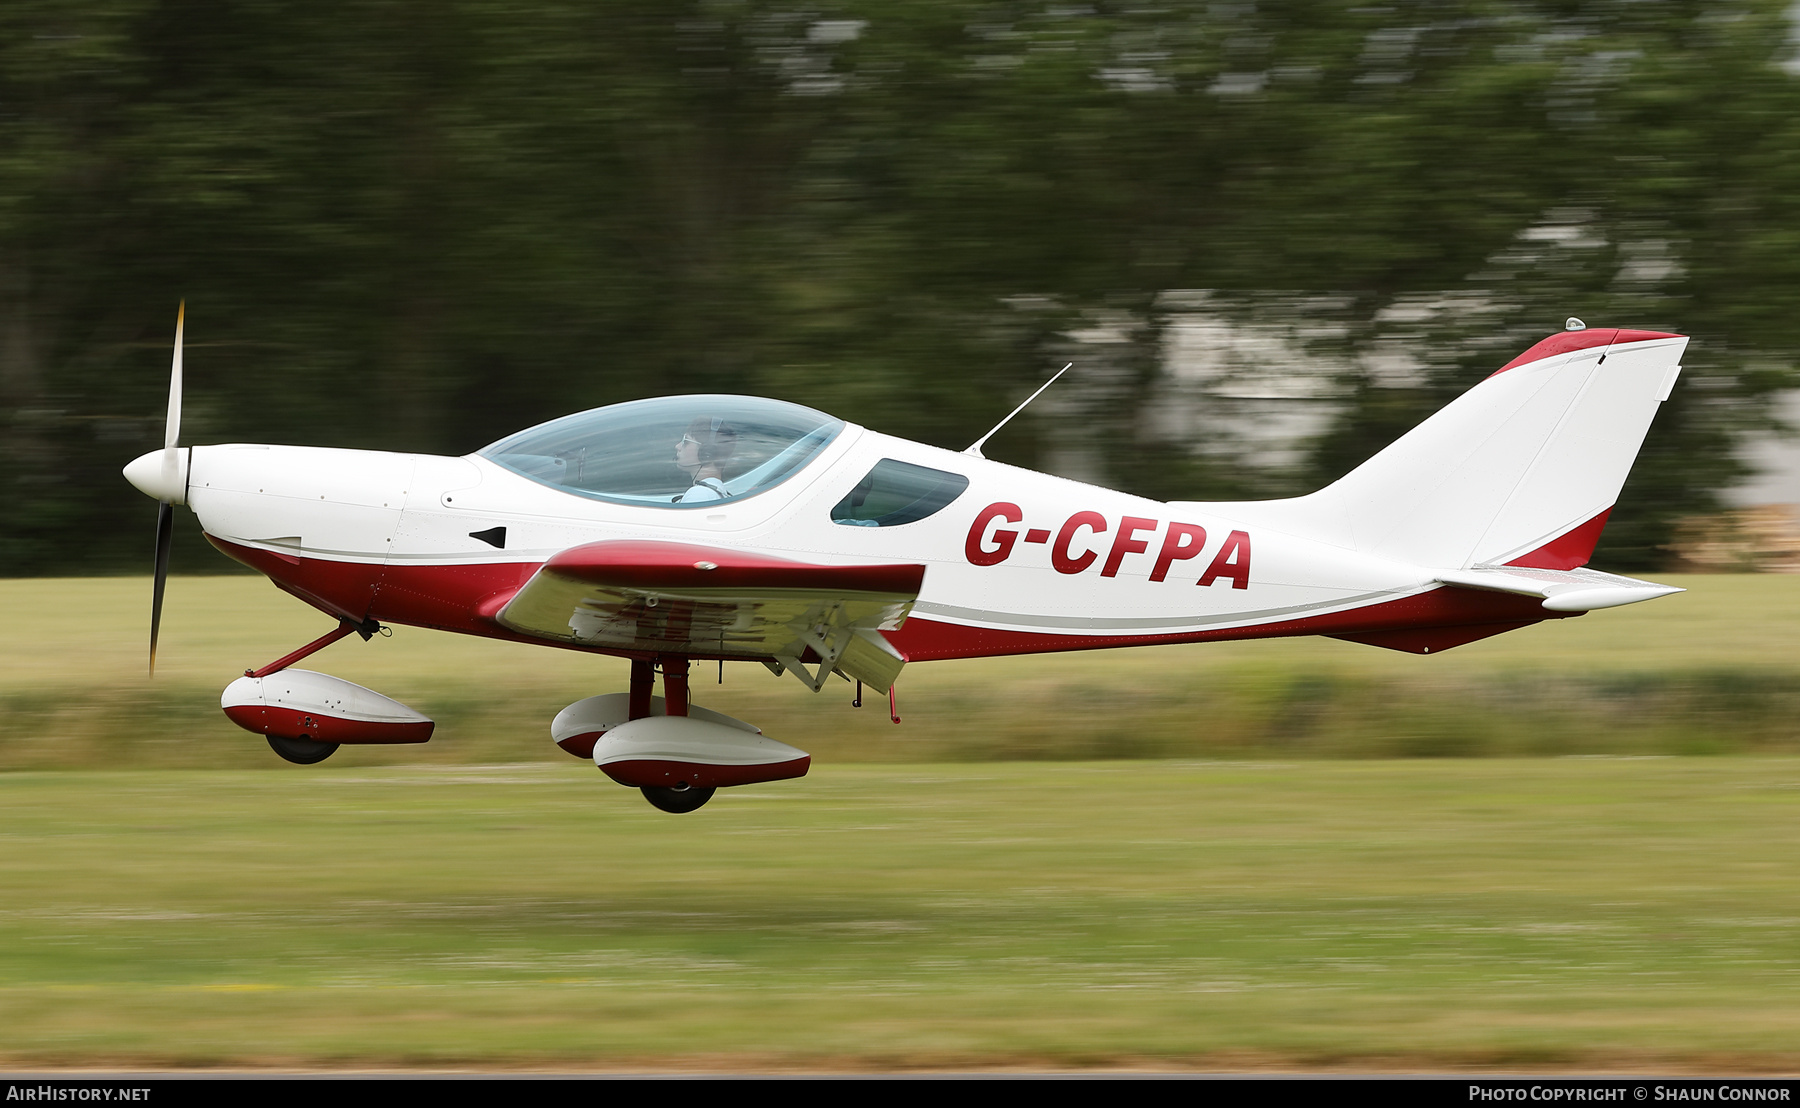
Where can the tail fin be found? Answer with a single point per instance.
(1520, 470)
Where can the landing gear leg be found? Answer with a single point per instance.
(675, 686)
(681, 797)
(643, 682)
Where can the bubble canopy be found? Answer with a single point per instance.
(670, 452)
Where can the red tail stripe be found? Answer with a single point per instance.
(1570, 341)
(1570, 550)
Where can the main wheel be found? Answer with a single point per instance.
(682, 798)
(301, 752)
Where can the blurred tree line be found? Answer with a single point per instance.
(421, 226)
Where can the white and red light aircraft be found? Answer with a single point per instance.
(745, 529)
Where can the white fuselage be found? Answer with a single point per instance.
(1017, 552)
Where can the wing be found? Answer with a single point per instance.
(680, 598)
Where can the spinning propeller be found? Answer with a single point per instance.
(172, 485)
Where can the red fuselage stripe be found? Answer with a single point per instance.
(461, 598)
(924, 639)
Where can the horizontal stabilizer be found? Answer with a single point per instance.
(1562, 590)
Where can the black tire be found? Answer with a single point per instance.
(676, 800)
(301, 752)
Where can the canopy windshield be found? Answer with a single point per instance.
(671, 452)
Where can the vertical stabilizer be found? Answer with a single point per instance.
(1522, 469)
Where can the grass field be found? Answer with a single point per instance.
(1439, 915)
(1226, 897)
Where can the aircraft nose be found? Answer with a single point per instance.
(161, 474)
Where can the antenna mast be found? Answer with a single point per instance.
(975, 448)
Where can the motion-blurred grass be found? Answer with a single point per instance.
(1228, 894)
(1713, 670)
(1596, 913)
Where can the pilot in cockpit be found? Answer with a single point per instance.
(702, 453)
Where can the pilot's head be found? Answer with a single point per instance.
(706, 445)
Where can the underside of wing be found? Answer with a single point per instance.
(700, 601)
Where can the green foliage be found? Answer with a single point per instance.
(424, 226)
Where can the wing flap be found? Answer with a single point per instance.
(871, 659)
(682, 598)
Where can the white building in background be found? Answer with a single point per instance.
(1250, 392)
(1777, 460)
(1763, 530)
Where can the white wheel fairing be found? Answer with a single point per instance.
(579, 726)
(299, 703)
(675, 750)
(599, 714)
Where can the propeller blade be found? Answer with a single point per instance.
(165, 511)
(171, 463)
(165, 537)
(172, 429)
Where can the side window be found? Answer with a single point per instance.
(898, 492)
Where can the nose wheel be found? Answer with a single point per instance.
(677, 798)
(305, 752)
